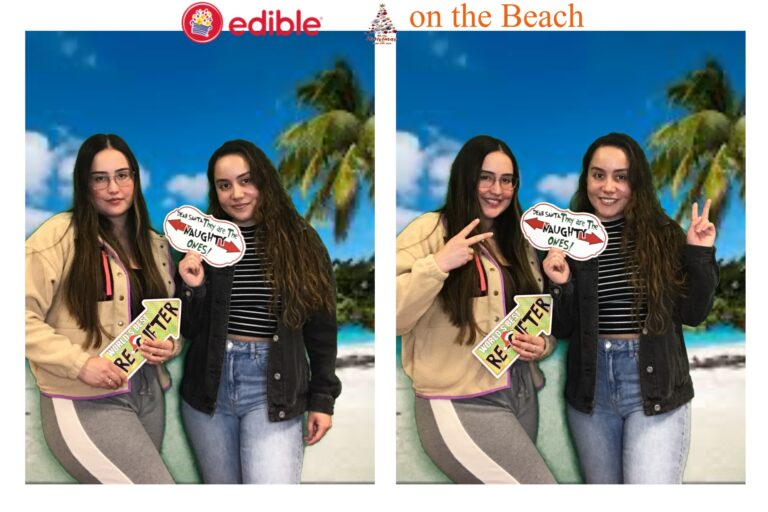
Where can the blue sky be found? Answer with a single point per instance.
(174, 102)
(548, 95)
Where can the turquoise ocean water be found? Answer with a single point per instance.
(354, 334)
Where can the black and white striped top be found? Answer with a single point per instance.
(249, 310)
(615, 294)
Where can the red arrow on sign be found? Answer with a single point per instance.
(230, 247)
(535, 223)
(177, 224)
(591, 238)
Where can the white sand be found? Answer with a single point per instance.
(346, 454)
(718, 420)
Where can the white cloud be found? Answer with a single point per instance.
(90, 60)
(33, 218)
(189, 188)
(558, 186)
(144, 175)
(69, 47)
(409, 163)
(431, 162)
(404, 216)
(440, 47)
(39, 163)
(64, 170)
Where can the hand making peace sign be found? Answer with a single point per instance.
(458, 250)
(701, 232)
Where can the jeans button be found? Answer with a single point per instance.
(281, 414)
(277, 376)
(649, 369)
(607, 344)
(229, 345)
(645, 331)
(657, 407)
(120, 323)
(275, 337)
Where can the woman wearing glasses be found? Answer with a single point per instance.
(87, 272)
(458, 270)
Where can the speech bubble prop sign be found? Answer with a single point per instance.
(581, 235)
(219, 242)
(531, 315)
(159, 320)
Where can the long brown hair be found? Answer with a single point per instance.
(461, 207)
(298, 264)
(659, 241)
(84, 284)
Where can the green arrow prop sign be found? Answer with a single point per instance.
(531, 315)
(159, 320)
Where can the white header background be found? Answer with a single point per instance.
(610, 15)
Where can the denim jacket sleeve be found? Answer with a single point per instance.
(701, 278)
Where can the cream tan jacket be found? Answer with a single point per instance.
(54, 342)
(436, 364)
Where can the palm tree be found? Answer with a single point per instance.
(333, 150)
(706, 148)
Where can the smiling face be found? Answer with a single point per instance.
(495, 185)
(116, 198)
(608, 187)
(235, 190)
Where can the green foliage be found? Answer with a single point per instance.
(704, 152)
(355, 292)
(331, 153)
(730, 305)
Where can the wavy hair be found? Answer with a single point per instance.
(659, 241)
(461, 207)
(83, 286)
(298, 265)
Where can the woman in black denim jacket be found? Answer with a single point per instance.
(628, 387)
(262, 332)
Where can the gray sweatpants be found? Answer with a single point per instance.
(486, 439)
(110, 440)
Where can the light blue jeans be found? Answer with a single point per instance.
(618, 443)
(238, 444)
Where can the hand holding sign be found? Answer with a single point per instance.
(157, 351)
(158, 322)
(556, 267)
(518, 335)
(458, 250)
(701, 232)
(528, 346)
(100, 373)
(191, 269)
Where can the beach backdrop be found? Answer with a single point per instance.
(548, 95)
(175, 102)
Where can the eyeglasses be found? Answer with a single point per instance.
(101, 180)
(488, 180)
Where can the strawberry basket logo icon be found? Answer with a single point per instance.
(202, 22)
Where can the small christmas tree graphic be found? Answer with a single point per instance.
(382, 29)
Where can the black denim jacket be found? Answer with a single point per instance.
(665, 382)
(294, 384)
